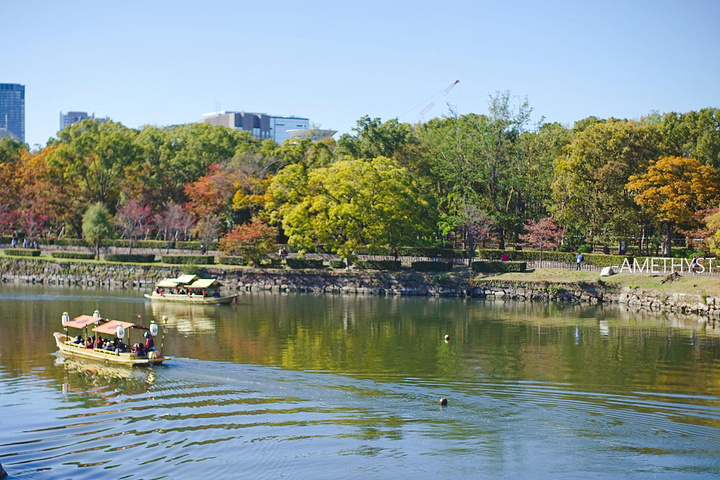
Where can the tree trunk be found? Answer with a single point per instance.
(667, 248)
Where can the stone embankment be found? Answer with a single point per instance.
(50, 272)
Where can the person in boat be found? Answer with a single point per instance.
(138, 349)
(99, 342)
(90, 342)
(78, 340)
(149, 342)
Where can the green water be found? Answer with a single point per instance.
(305, 386)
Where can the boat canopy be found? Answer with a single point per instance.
(168, 283)
(110, 328)
(185, 279)
(83, 321)
(205, 283)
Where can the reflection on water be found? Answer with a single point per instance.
(186, 319)
(305, 386)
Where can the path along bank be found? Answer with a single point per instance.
(699, 296)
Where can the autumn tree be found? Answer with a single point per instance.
(174, 223)
(543, 234)
(134, 219)
(253, 241)
(672, 190)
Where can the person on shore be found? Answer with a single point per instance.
(694, 265)
(13, 244)
(579, 260)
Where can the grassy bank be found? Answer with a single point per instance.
(696, 285)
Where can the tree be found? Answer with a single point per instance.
(482, 161)
(589, 195)
(375, 138)
(174, 223)
(97, 156)
(253, 241)
(673, 189)
(134, 219)
(351, 204)
(96, 226)
(542, 234)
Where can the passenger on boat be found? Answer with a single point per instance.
(149, 342)
(90, 342)
(99, 343)
(78, 340)
(138, 349)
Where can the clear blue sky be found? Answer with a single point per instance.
(163, 63)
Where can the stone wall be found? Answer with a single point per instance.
(351, 282)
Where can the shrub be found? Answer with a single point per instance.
(76, 255)
(129, 257)
(498, 267)
(22, 252)
(187, 259)
(431, 266)
(432, 252)
(305, 263)
(585, 248)
(228, 260)
(392, 265)
(270, 263)
(337, 264)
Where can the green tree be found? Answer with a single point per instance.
(96, 226)
(375, 138)
(351, 204)
(589, 194)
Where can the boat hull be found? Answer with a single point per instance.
(191, 299)
(105, 356)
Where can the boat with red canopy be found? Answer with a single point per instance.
(106, 343)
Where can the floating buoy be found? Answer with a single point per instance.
(443, 401)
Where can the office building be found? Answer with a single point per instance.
(73, 117)
(259, 124)
(12, 109)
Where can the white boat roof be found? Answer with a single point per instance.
(204, 283)
(185, 279)
(167, 283)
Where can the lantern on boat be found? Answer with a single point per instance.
(96, 314)
(153, 328)
(120, 331)
(65, 317)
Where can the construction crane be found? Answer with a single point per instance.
(432, 100)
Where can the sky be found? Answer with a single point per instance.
(166, 63)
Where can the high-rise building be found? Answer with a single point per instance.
(12, 109)
(73, 117)
(259, 124)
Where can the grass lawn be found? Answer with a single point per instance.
(697, 285)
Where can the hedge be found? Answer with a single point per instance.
(76, 255)
(23, 252)
(392, 265)
(305, 263)
(129, 257)
(431, 266)
(338, 264)
(230, 260)
(498, 267)
(432, 252)
(185, 259)
(598, 259)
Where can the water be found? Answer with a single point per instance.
(312, 387)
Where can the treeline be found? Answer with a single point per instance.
(461, 180)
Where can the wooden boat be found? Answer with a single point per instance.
(104, 328)
(190, 289)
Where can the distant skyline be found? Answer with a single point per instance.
(166, 63)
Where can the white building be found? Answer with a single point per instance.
(261, 125)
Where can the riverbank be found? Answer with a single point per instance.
(683, 294)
